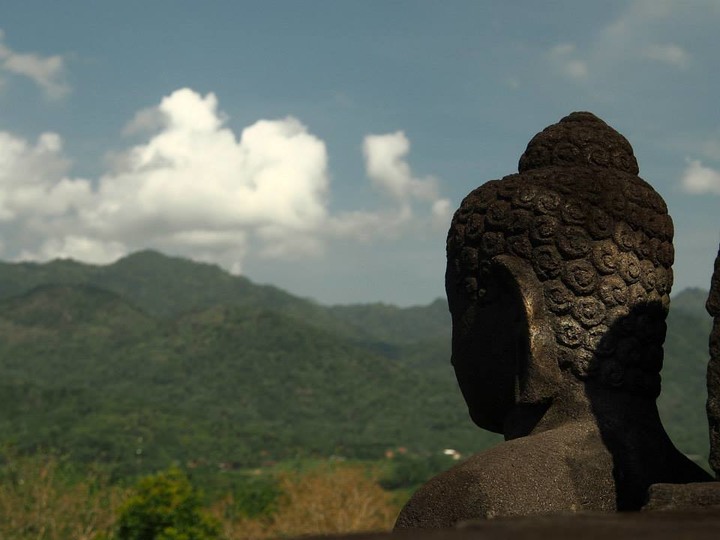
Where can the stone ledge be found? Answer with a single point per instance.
(670, 497)
(686, 524)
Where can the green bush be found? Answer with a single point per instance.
(257, 497)
(165, 506)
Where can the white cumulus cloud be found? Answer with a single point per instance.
(699, 179)
(195, 188)
(145, 121)
(441, 213)
(386, 165)
(195, 174)
(33, 179)
(48, 72)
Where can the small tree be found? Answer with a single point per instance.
(166, 507)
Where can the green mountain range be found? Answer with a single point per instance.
(156, 359)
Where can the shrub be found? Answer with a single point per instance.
(326, 500)
(332, 500)
(165, 506)
(257, 497)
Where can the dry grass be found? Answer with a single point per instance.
(37, 502)
(337, 499)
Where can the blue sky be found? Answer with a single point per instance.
(322, 146)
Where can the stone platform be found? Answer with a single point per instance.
(689, 524)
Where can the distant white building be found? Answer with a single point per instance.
(452, 453)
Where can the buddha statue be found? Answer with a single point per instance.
(713, 375)
(558, 282)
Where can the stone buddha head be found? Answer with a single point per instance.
(558, 277)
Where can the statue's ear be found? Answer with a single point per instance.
(539, 378)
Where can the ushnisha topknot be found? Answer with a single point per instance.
(579, 139)
(598, 238)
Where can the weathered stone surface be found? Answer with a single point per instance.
(558, 283)
(713, 375)
(699, 524)
(683, 496)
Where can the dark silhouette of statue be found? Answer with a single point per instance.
(713, 375)
(558, 282)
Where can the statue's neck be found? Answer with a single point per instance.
(609, 412)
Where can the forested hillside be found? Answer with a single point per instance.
(157, 359)
(165, 286)
(684, 390)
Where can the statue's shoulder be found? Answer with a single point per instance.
(458, 494)
(537, 474)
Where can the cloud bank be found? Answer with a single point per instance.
(194, 188)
